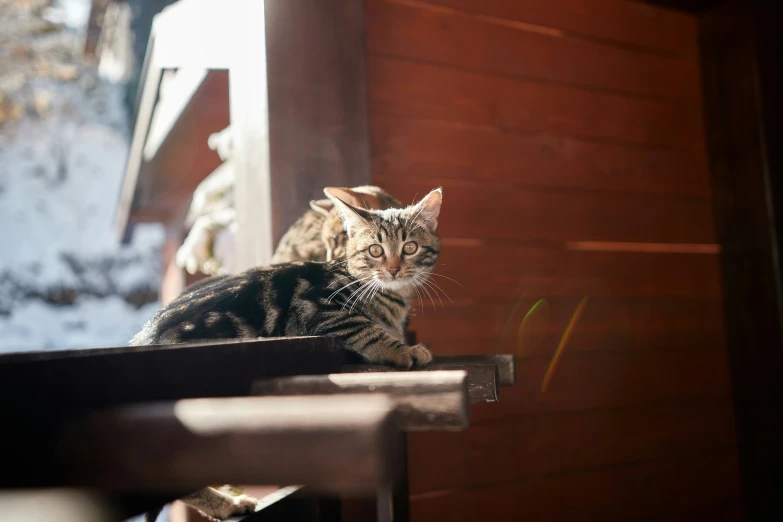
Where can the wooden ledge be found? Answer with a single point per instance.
(347, 444)
(505, 363)
(436, 400)
(482, 377)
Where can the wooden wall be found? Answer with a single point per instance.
(569, 138)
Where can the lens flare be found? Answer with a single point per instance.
(563, 341)
(533, 328)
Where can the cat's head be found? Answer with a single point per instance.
(333, 232)
(396, 247)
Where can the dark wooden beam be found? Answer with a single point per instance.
(742, 84)
(423, 400)
(51, 387)
(298, 112)
(337, 444)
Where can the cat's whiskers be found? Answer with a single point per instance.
(427, 284)
(358, 293)
(421, 282)
(329, 299)
(421, 303)
(368, 288)
(355, 292)
(368, 299)
(435, 288)
(450, 279)
(378, 286)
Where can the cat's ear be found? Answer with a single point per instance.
(322, 206)
(356, 198)
(426, 211)
(354, 218)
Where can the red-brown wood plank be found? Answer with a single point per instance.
(402, 146)
(621, 21)
(621, 493)
(642, 322)
(502, 211)
(462, 40)
(542, 445)
(184, 159)
(612, 378)
(402, 88)
(493, 269)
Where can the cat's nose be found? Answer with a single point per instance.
(393, 270)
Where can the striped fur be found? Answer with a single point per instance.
(318, 235)
(363, 299)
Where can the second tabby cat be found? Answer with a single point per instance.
(319, 234)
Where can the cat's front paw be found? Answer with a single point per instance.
(409, 356)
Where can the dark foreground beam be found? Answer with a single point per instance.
(482, 377)
(345, 444)
(59, 384)
(51, 387)
(436, 400)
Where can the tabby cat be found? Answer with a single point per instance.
(362, 300)
(319, 234)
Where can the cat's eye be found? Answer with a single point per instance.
(376, 251)
(410, 247)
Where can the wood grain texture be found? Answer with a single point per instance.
(609, 379)
(404, 147)
(617, 493)
(299, 111)
(506, 211)
(607, 323)
(502, 269)
(428, 92)
(317, 102)
(461, 40)
(622, 22)
(569, 139)
(542, 445)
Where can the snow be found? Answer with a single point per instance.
(65, 281)
(89, 323)
(71, 13)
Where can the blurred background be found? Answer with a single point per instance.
(65, 126)
(611, 213)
